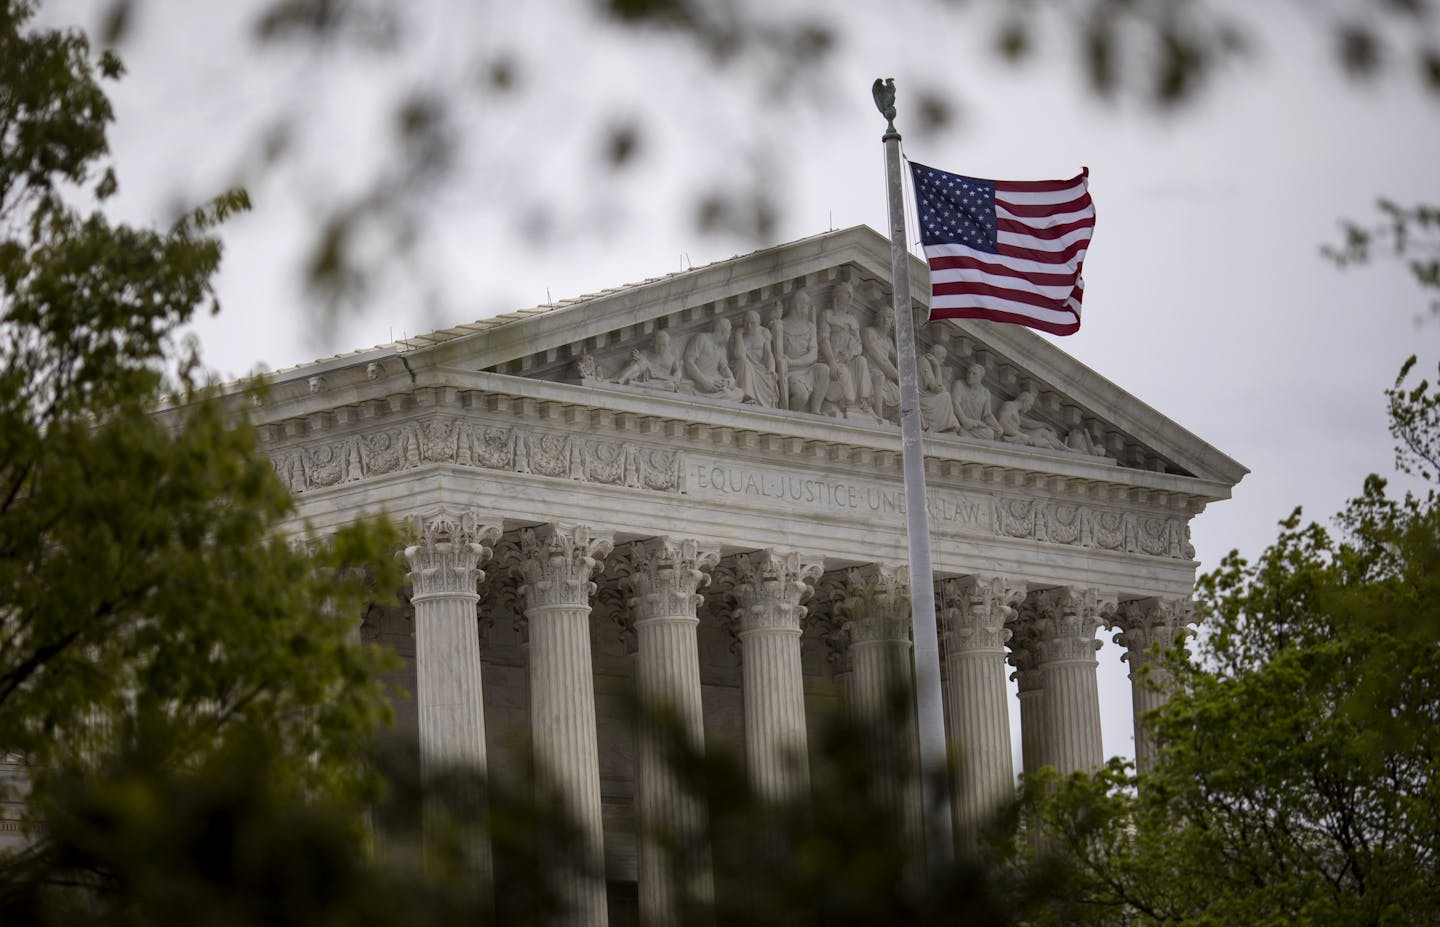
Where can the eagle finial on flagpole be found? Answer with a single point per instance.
(883, 90)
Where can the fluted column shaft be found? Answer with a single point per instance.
(769, 593)
(444, 574)
(665, 579)
(975, 611)
(558, 563)
(1068, 621)
(882, 684)
(1146, 624)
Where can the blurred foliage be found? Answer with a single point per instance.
(147, 595)
(786, 60)
(1409, 233)
(1299, 772)
(229, 843)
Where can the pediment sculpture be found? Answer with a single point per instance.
(823, 351)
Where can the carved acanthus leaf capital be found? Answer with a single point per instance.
(665, 577)
(975, 611)
(771, 586)
(1068, 618)
(1024, 644)
(1144, 624)
(876, 603)
(446, 559)
(557, 564)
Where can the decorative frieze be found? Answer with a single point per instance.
(513, 448)
(522, 449)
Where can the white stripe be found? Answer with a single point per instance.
(1043, 244)
(995, 303)
(1042, 197)
(960, 275)
(1045, 221)
(1020, 265)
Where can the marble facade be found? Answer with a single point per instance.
(647, 487)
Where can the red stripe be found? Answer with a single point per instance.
(1045, 257)
(1043, 231)
(1038, 186)
(1000, 270)
(1082, 201)
(995, 315)
(1028, 297)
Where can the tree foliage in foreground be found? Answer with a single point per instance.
(146, 594)
(1299, 774)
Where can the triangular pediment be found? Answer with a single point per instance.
(738, 334)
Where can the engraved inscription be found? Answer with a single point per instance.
(714, 478)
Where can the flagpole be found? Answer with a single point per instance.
(929, 711)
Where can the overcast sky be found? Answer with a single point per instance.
(1206, 296)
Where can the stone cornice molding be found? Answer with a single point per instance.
(446, 559)
(771, 586)
(697, 425)
(975, 610)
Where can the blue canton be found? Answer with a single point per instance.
(955, 209)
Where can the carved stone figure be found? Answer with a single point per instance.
(1082, 441)
(937, 409)
(1017, 429)
(753, 362)
(879, 342)
(660, 369)
(973, 405)
(706, 365)
(841, 347)
(806, 376)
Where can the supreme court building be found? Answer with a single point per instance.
(692, 485)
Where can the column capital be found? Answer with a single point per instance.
(446, 558)
(1025, 652)
(557, 562)
(1144, 623)
(664, 576)
(1067, 618)
(975, 611)
(771, 586)
(876, 603)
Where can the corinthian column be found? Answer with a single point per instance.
(666, 576)
(444, 574)
(772, 585)
(975, 611)
(1068, 620)
(1030, 682)
(557, 563)
(1145, 625)
(882, 682)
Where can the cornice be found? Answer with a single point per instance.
(828, 444)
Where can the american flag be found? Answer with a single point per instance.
(1007, 251)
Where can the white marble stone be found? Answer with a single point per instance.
(444, 574)
(558, 563)
(586, 413)
(772, 585)
(974, 612)
(665, 579)
(1144, 625)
